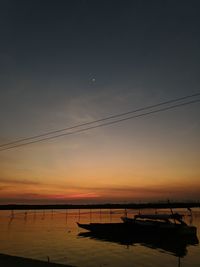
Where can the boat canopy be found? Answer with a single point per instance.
(174, 216)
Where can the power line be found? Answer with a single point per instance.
(99, 120)
(104, 124)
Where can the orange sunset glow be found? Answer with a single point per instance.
(116, 164)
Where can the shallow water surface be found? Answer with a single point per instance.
(54, 234)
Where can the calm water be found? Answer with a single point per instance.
(42, 234)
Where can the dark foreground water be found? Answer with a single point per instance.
(54, 234)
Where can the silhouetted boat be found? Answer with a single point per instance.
(156, 224)
(161, 223)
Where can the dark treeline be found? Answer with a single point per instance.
(102, 206)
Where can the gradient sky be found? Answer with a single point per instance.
(68, 62)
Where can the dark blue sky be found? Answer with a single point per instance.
(138, 52)
(54, 53)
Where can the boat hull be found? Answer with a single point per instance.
(147, 228)
(160, 227)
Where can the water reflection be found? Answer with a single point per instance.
(38, 234)
(175, 245)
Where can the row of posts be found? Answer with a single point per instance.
(12, 216)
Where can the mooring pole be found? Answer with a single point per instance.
(66, 215)
(79, 214)
(90, 215)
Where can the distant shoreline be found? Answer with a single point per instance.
(102, 206)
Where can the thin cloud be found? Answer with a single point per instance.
(18, 181)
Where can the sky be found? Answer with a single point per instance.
(64, 63)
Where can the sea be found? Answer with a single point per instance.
(55, 236)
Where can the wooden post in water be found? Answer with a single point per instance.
(25, 215)
(125, 212)
(79, 214)
(90, 215)
(12, 214)
(52, 214)
(100, 214)
(66, 215)
(110, 215)
(179, 262)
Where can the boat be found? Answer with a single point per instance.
(103, 227)
(151, 224)
(160, 223)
